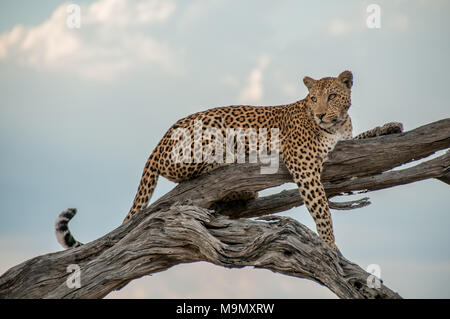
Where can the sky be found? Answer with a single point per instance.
(82, 108)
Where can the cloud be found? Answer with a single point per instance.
(113, 38)
(126, 13)
(253, 92)
(338, 27)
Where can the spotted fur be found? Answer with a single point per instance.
(309, 130)
(386, 129)
(63, 234)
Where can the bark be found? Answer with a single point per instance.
(190, 224)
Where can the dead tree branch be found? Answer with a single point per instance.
(188, 224)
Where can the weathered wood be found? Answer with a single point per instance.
(189, 234)
(287, 199)
(179, 227)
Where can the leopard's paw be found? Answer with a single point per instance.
(391, 128)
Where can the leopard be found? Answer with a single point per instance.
(309, 129)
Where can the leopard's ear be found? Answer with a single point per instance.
(309, 82)
(346, 78)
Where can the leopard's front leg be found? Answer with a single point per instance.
(306, 174)
(386, 129)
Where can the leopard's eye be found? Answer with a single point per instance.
(331, 96)
(314, 99)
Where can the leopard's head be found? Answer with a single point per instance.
(329, 98)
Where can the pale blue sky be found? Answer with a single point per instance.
(81, 109)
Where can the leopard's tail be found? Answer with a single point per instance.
(143, 195)
(146, 187)
(63, 234)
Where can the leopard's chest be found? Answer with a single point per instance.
(329, 141)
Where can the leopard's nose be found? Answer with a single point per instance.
(320, 116)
